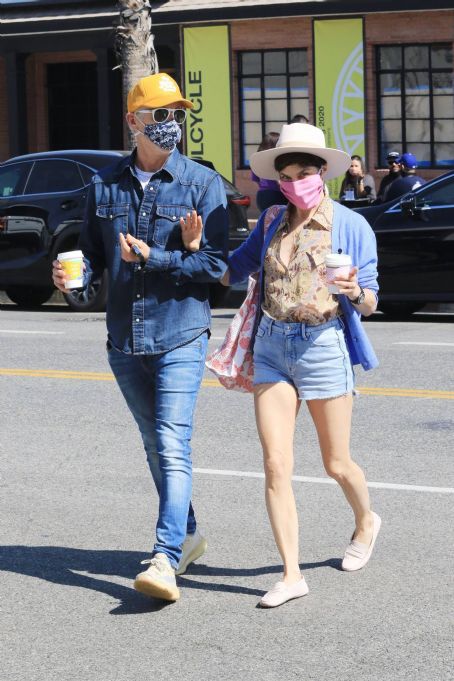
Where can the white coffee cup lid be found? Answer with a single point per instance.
(69, 255)
(337, 259)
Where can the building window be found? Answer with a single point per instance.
(415, 103)
(272, 89)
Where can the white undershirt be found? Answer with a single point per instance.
(143, 176)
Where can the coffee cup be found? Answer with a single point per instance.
(72, 264)
(338, 266)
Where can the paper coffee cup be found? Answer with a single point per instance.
(338, 265)
(72, 264)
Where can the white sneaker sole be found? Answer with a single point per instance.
(156, 589)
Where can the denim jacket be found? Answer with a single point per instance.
(353, 235)
(164, 304)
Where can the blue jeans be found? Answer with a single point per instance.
(161, 392)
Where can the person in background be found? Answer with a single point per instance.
(268, 193)
(408, 179)
(392, 160)
(299, 118)
(357, 181)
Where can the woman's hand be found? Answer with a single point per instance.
(225, 279)
(127, 254)
(349, 287)
(191, 231)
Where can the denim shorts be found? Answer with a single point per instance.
(314, 359)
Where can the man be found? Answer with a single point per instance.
(408, 180)
(392, 160)
(158, 316)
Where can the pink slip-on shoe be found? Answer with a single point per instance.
(356, 554)
(282, 592)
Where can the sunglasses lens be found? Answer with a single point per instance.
(179, 115)
(160, 115)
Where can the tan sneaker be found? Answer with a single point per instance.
(194, 546)
(158, 581)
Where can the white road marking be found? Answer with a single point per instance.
(329, 481)
(421, 343)
(38, 333)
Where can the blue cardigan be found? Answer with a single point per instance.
(351, 233)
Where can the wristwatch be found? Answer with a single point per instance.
(360, 298)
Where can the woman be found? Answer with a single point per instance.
(307, 339)
(268, 193)
(357, 181)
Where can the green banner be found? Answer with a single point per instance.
(339, 86)
(207, 85)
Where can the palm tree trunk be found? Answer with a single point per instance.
(134, 45)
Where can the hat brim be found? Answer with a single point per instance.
(262, 162)
(165, 100)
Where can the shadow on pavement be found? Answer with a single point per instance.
(63, 565)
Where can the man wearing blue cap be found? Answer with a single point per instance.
(408, 180)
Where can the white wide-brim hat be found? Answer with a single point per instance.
(304, 139)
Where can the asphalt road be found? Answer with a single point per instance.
(77, 510)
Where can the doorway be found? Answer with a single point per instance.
(72, 105)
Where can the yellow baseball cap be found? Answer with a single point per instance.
(154, 91)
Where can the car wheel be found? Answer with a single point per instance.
(399, 309)
(218, 295)
(91, 299)
(29, 296)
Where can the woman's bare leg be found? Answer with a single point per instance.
(332, 419)
(276, 407)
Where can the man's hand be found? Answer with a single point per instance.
(191, 231)
(59, 276)
(127, 254)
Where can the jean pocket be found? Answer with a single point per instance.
(113, 220)
(167, 229)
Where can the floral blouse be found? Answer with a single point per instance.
(298, 292)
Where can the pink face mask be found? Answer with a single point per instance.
(306, 193)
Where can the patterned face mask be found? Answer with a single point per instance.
(164, 135)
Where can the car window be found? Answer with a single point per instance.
(87, 173)
(48, 177)
(440, 195)
(13, 178)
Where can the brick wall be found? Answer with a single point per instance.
(400, 28)
(263, 34)
(380, 29)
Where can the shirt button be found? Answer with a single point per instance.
(138, 295)
(137, 320)
(174, 217)
(144, 214)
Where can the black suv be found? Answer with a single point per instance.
(42, 200)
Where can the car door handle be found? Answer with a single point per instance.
(67, 205)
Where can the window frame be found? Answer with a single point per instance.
(38, 162)
(403, 71)
(263, 99)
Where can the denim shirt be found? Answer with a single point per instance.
(164, 304)
(352, 234)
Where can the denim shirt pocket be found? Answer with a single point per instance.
(166, 228)
(113, 219)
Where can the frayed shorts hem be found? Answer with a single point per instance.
(307, 398)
